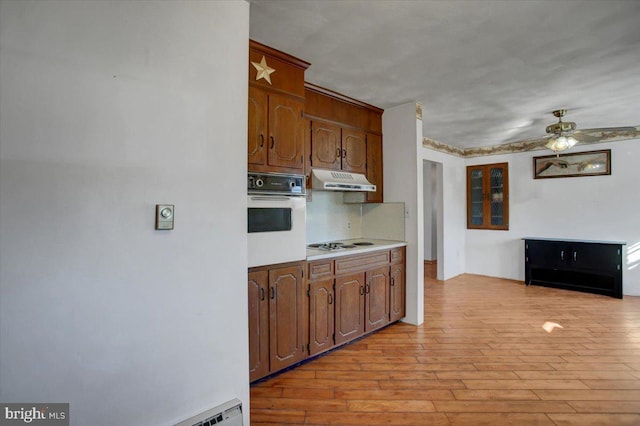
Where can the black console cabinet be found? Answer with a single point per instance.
(589, 266)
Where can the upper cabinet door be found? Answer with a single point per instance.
(257, 126)
(276, 103)
(286, 133)
(354, 151)
(488, 196)
(374, 166)
(326, 145)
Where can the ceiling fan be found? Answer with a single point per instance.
(563, 134)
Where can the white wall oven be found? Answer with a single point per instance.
(277, 210)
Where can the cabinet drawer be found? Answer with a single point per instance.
(397, 255)
(356, 263)
(320, 269)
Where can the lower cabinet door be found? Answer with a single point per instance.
(377, 298)
(258, 325)
(321, 316)
(286, 316)
(397, 292)
(349, 314)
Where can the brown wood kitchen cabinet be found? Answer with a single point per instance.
(336, 148)
(344, 134)
(357, 290)
(258, 324)
(276, 132)
(397, 281)
(321, 315)
(278, 318)
(376, 298)
(321, 306)
(374, 166)
(276, 128)
(349, 307)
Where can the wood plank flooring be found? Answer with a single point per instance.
(481, 357)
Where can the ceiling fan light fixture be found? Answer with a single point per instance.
(561, 143)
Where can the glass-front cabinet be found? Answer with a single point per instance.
(488, 196)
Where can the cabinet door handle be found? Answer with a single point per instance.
(273, 141)
(361, 290)
(261, 140)
(367, 288)
(562, 255)
(393, 281)
(344, 153)
(262, 293)
(338, 153)
(575, 256)
(272, 291)
(330, 299)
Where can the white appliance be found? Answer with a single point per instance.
(331, 180)
(227, 414)
(277, 210)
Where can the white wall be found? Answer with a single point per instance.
(431, 184)
(108, 108)
(594, 207)
(403, 183)
(451, 212)
(428, 216)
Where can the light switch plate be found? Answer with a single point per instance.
(164, 216)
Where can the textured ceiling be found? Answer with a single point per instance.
(486, 72)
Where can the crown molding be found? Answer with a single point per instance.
(516, 147)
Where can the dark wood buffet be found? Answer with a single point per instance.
(581, 265)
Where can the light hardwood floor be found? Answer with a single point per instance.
(481, 357)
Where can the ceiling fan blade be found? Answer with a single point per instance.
(532, 143)
(582, 137)
(606, 134)
(609, 129)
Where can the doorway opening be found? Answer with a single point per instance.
(432, 211)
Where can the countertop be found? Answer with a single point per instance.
(316, 254)
(570, 240)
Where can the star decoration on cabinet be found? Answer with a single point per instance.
(264, 70)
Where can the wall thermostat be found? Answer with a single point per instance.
(164, 216)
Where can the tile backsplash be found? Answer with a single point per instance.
(329, 219)
(383, 221)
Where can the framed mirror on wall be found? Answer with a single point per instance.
(590, 163)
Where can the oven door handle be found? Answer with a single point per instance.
(271, 198)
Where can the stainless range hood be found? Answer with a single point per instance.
(331, 180)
